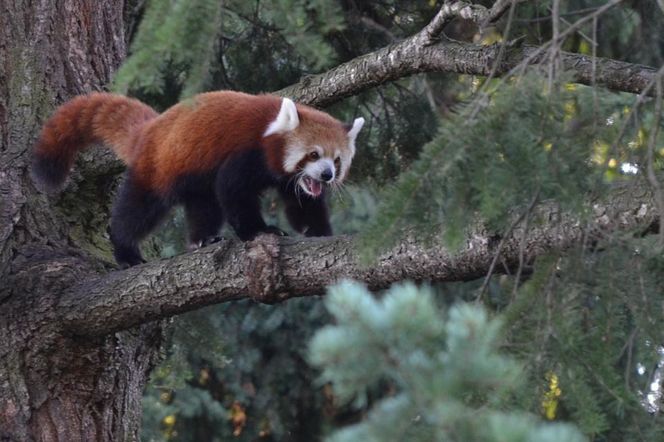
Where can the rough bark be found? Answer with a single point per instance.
(271, 269)
(420, 54)
(54, 386)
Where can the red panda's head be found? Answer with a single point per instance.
(317, 147)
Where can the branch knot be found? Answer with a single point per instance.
(263, 269)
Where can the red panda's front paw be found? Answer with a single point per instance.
(274, 231)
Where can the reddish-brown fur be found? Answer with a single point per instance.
(95, 118)
(199, 134)
(194, 136)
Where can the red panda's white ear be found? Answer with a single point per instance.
(286, 121)
(357, 125)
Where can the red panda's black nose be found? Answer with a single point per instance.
(326, 175)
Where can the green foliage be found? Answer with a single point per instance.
(636, 30)
(352, 208)
(390, 141)
(307, 25)
(166, 50)
(245, 355)
(447, 376)
(593, 318)
(495, 162)
(178, 42)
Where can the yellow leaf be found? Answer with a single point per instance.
(203, 376)
(550, 411)
(600, 151)
(238, 418)
(550, 397)
(489, 38)
(570, 110)
(169, 420)
(641, 137)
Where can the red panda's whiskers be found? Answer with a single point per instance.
(291, 179)
(298, 187)
(338, 190)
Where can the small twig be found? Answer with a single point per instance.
(573, 28)
(489, 273)
(600, 381)
(554, 64)
(448, 12)
(522, 243)
(640, 99)
(593, 76)
(372, 24)
(545, 47)
(496, 64)
(507, 234)
(562, 14)
(498, 9)
(629, 347)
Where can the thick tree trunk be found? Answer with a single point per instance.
(56, 387)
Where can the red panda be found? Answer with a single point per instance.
(214, 154)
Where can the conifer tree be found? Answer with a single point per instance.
(445, 157)
(447, 380)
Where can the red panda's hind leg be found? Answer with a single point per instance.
(136, 213)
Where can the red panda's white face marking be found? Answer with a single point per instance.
(318, 148)
(318, 170)
(326, 163)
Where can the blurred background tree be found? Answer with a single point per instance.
(439, 152)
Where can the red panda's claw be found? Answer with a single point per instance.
(274, 231)
(211, 240)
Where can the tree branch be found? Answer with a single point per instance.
(409, 57)
(497, 10)
(448, 12)
(426, 51)
(271, 269)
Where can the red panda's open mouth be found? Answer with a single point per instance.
(311, 186)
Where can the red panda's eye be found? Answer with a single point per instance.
(314, 155)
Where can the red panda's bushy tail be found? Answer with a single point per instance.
(113, 120)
